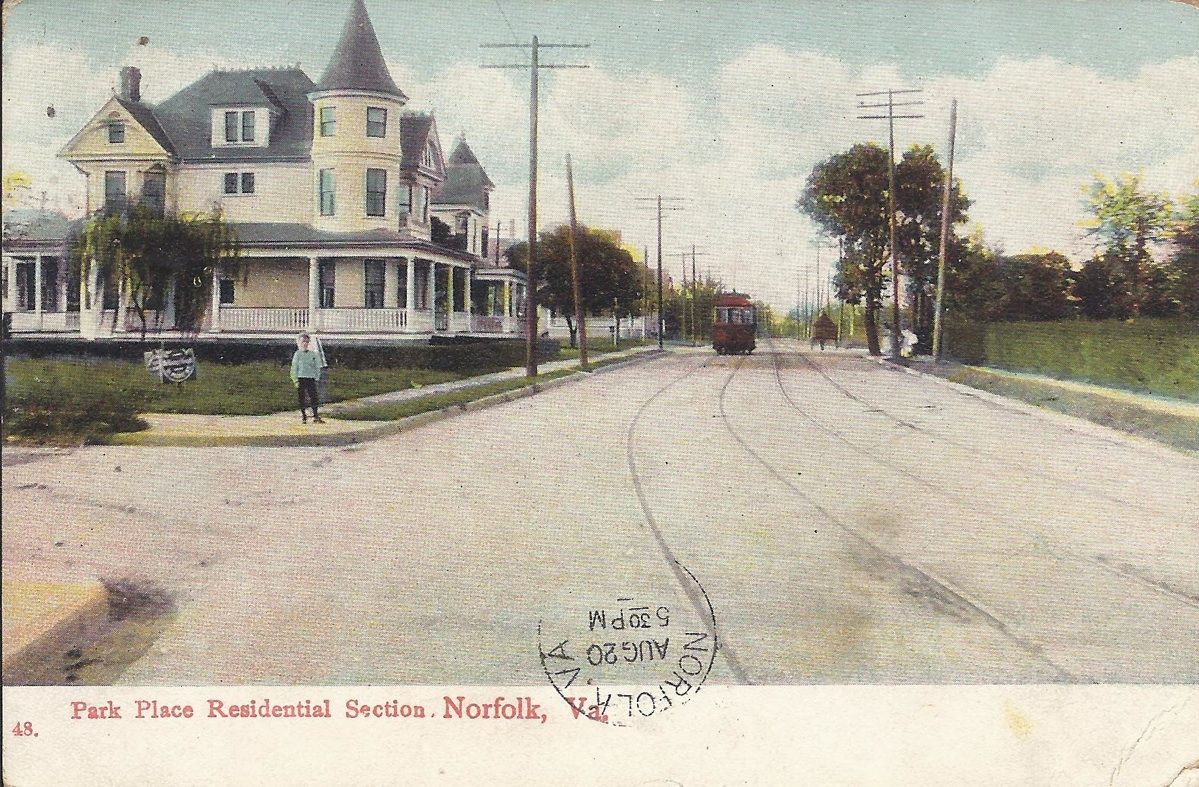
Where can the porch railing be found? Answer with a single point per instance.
(363, 319)
(247, 318)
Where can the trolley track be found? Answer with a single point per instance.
(1030, 470)
(1129, 576)
(685, 582)
(910, 573)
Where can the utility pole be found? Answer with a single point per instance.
(534, 65)
(945, 223)
(891, 117)
(659, 199)
(580, 323)
(644, 288)
(820, 243)
(694, 292)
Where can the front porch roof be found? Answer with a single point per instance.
(263, 235)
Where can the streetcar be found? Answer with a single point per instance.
(735, 324)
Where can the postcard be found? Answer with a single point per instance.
(673, 393)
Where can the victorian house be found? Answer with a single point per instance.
(330, 188)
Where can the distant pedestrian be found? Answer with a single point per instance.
(305, 371)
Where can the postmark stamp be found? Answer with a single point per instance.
(632, 657)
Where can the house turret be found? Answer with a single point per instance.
(356, 148)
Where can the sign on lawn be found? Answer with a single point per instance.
(172, 366)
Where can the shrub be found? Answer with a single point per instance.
(56, 408)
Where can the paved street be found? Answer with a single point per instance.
(848, 522)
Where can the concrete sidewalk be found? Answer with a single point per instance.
(286, 430)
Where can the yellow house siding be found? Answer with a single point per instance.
(350, 283)
(269, 283)
(92, 140)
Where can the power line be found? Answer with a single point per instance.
(891, 117)
(515, 39)
(534, 65)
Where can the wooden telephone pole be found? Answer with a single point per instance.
(581, 325)
(891, 117)
(938, 327)
(659, 199)
(534, 65)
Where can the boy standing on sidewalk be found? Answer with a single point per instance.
(305, 371)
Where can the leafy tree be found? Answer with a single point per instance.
(1184, 264)
(146, 256)
(847, 195)
(608, 277)
(1128, 222)
(439, 231)
(1034, 287)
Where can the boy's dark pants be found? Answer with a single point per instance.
(307, 391)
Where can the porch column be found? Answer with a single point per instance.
(410, 299)
(314, 291)
(214, 320)
(507, 299)
(91, 300)
(37, 291)
(61, 282)
(432, 286)
(468, 299)
(449, 293)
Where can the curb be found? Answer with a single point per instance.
(81, 612)
(380, 429)
(1075, 423)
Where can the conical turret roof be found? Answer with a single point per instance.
(462, 153)
(357, 63)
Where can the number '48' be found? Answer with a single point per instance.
(22, 728)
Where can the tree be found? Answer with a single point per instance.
(1184, 264)
(609, 280)
(847, 195)
(1128, 222)
(150, 257)
(1034, 287)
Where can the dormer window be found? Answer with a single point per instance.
(239, 126)
(116, 132)
(427, 159)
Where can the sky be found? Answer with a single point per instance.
(728, 105)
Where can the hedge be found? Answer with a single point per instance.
(460, 355)
(1149, 355)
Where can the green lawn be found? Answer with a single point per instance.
(397, 410)
(244, 389)
(597, 346)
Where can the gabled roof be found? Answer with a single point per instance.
(186, 117)
(145, 116)
(418, 131)
(466, 183)
(357, 63)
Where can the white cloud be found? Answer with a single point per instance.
(1031, 132)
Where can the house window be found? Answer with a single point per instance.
(421, 285)
(239, 126)
(116, 133)
(376, 192)
(247, 126)
(25, 285)
(154, 191)
(227, 292)
(116, 198)
(239, 183)
(230, 126)
(376, 122)
(402, 283)
(72, 288)
(328, 192)
(404, 206)
(420, 207)
(373, 277)
(327, 282)
(328, 121)
(427, 159)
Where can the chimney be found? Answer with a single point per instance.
(131, 84)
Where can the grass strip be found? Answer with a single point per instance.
(1177, 430)
(394, 411)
